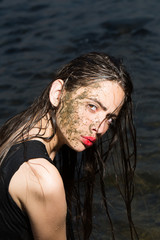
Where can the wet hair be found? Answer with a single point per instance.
(79, 171)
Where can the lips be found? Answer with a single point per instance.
(88, 141)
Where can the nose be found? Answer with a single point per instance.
(101, 128)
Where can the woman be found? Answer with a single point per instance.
(88, 97)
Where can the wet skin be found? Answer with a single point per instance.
(85, 114)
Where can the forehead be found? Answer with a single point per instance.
(106, 91)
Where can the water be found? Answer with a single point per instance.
(37, 37)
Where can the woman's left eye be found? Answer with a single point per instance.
(92, 107)
(110, 121)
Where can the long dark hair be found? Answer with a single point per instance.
(79, 171)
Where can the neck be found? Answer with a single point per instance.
(46, 130)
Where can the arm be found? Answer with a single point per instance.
(43, 199)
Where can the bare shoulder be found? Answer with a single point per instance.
(44, 176)
(41, 193)
(39, 177)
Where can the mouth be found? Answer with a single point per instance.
(88, 141)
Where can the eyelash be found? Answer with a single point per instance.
(91, 106)
(111, 121)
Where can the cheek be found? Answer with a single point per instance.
(73, 119)
(66, 113)
(68, 118)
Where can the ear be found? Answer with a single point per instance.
(55, 92)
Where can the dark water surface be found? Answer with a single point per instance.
(37, 37)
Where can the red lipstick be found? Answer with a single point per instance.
(88, 141)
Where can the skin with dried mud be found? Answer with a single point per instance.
(80, 114)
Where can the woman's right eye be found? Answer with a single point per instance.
(92, 107)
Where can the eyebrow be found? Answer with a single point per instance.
(104, 108)
(111, 115)
(100, 104)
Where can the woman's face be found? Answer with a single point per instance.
(86, 113)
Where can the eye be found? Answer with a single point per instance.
(92, 107)
(111, 121)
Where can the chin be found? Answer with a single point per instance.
(78, 148)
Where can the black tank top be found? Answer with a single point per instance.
(14, 223)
